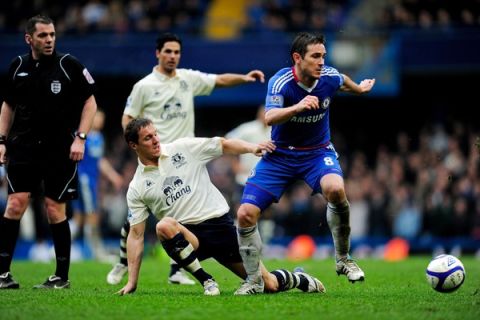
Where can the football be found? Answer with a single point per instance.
(445, 273)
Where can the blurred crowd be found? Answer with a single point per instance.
(370, 15)
(423, 15)
(116, 16)
(261, 16)
(442, 14)
(296, 15)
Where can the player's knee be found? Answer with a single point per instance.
(55, 211)
(246, 216)
(335, 193)
(15, 208)
(166, 228)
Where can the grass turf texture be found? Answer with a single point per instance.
(391, 291)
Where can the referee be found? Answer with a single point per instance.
(46, 114)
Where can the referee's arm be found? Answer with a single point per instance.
(77, 149)
(6, 119)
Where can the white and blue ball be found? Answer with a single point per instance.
(445, 273)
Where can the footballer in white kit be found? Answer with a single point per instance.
(180, 186)
(168, 101)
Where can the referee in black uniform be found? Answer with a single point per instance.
(46, 114)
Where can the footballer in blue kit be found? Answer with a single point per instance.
(88, 173)
(85, 208)
(297, 107)
(303, 142)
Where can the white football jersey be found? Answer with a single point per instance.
(180, 186)
(168, 102)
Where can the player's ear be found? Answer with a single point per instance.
(296, 57)
(28, 39)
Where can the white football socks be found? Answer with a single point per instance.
(338, 218)
(251, 249)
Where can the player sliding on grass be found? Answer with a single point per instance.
(172, 182)
(297, 108)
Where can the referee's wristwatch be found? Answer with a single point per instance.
(81, 135)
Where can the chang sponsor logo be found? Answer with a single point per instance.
(172, 110)
(174, 189)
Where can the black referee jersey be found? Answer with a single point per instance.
(47, 96)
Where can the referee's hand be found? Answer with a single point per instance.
(77, 149)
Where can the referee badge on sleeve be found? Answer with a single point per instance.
(56, 86)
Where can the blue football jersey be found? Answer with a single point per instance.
(310, 128)
(94, 149)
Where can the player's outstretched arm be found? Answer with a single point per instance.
(238, 146)
(233, 79)
(364, 86)
(135, 248)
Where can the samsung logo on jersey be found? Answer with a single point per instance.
(308, 119)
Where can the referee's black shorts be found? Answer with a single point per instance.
(217, 239)
(34, 166)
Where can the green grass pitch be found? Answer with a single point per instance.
(392, 290)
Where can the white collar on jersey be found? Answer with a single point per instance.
(161, 76)
(301, 85)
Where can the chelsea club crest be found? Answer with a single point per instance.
(325, 103)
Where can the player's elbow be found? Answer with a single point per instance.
(126, 120)
(269, 119)
(269, 122)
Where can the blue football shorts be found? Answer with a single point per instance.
(276, 171)
(87, 195)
